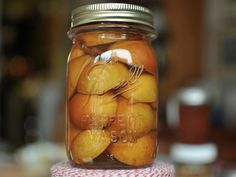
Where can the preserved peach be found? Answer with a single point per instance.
(89, 144)
(144, 89)
(75, 67)
(132, 120)
(99, 37)
(101, 77)
(141, 53)
(72, 133)
(139, 153)
(75, 52)
(92, 111)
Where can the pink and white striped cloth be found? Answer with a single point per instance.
(158, 169)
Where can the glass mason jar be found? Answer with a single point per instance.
(111, 87)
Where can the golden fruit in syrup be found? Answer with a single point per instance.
(139, 153)
(72, 133)
(141, 53)
(75, 52)
(92, 111)
(89, 144)
(75, 67)
(132, 120)
(102, 77)
(143, 89)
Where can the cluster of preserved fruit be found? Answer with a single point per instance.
(112, 96)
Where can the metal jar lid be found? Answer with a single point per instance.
(112, 12)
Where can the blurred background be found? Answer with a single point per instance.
(196, 46)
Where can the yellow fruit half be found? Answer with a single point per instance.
(88, 145)
(75, 67)
(132, 120)
(92, 111)
(141, 53)
(140, 153)
(72, 132)
(143, 89)
(75, 52)
(99, 78)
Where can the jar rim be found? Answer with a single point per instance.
(112, 12)
(141, 29)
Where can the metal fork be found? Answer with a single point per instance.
(134, 73)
